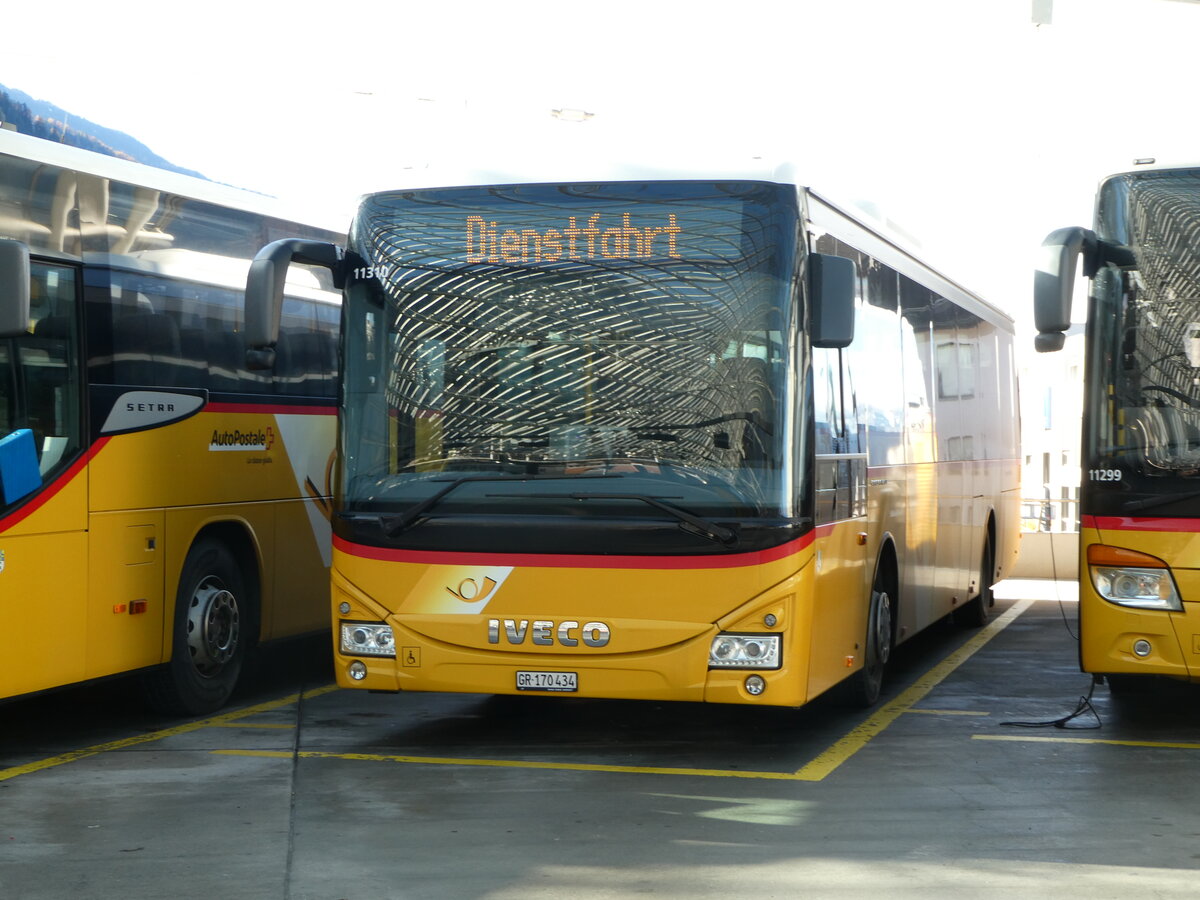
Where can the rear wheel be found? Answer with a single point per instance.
(976, 612)
(209, 635)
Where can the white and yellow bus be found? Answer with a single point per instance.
(163, 507)
(1139, 585)
(711, 438)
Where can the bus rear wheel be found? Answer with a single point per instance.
(976, 611)
(209, 635)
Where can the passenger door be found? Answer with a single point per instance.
(44, 495)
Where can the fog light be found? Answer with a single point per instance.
(755, 685)
(358, 670)
(344, 608)
(1142, 648)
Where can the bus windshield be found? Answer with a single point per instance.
(594, 352)
(1145, 356)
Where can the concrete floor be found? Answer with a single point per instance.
(302, 791)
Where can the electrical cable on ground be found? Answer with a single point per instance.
(1084, 706)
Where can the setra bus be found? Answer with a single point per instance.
(162, 506)
(1139, 591)
(710, 438)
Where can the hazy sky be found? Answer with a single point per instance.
(971, 126)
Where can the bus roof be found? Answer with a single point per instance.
(1151, 164)
(584, 168)
(569, 169)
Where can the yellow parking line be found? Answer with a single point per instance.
(508, 764)
(816, 770)
(858, 738)
(123, 743)
(282, 725)
(1168, 745)
(948, 712)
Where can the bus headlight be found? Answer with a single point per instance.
(745, 651)
(366, 639)
(1129, 578)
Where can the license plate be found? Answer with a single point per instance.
(547, 681)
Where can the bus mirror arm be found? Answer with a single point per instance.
(14, 288)
(264, 291)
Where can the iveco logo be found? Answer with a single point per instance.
(546, 634)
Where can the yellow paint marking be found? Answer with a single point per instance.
(858, 738)
(507, 764)
(948, 712)
(218, 721)
(1167, 745)
(816, 770)
(813, 771)
(284, 725)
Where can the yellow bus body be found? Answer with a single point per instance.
(1109, 632)
(90, 564)
(441, 617)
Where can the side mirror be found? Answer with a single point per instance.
(831, 288)
(1054, 283)
(14, 289)
(264, 291)
(1054, 280)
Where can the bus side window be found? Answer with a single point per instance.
(306, 354)
(8, 387)
(826, 401)
(878, 366)
(44, 383)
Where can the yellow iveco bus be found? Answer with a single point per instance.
(1139, 590)
(163, 507)
(619, 435)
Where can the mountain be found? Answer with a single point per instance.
(39, 118)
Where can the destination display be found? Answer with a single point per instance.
(599, 225)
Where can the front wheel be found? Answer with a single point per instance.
(867, 682)
(209, 635)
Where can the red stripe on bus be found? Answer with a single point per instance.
(1134, 523)
(271, 409)
(568, 561)
(47, 493)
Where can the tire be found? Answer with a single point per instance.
(976, 612)
(1129, 685)
(209, 635)
(865, 684)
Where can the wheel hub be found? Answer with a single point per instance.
(883, 627)
(214, 626)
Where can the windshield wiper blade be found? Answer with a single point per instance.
(393, 525)
(689, 522)
(1161, 500)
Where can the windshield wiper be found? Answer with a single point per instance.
(393, 525)
(689, 522)
(1161, 500)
